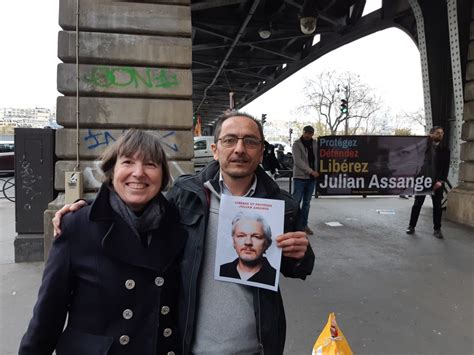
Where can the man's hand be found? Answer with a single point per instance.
(314, 174)
(293, 244)
(437, 185)
(65, 209)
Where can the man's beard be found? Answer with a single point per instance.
(253, 262)
(238, 176)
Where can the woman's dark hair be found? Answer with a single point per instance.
(131, 142)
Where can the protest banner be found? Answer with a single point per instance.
(374, 165)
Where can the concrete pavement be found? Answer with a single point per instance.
(392, 293)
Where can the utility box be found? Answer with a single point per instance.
(34, 189)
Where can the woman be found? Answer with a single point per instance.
(114, 271)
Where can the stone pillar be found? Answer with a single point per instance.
(134, 71)
(461, 199)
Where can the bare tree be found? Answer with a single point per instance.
(324, 95)
(416, 117)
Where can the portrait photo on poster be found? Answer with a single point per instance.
(246, 248)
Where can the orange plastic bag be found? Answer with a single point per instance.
(332, 341)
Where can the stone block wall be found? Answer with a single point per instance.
(461, 199)
(134, 71)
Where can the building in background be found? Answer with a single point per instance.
(38, 117)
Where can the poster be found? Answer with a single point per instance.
(246, 248)
(374, 165)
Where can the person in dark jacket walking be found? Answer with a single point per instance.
(114, 271)
(437, 158)
(223, 317)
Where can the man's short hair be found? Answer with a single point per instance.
(435, 128)
(131, 142)
(253, 216)
(227, 115)
(308, 129)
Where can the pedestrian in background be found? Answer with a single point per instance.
(305, 172)
(437, 158)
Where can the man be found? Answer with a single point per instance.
(223, 317)
(437, 157)
(305, 171)
(251, 237)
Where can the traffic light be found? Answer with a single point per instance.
(344, 106)
(264, 118)
(291, 131)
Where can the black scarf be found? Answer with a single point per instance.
(141, 224)
(309, 149)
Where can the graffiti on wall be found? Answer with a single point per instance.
(29, 183)
(97, 138)
(130, 77)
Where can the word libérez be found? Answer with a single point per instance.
(333, 166)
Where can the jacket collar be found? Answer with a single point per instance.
(100, 209)
(120, 243)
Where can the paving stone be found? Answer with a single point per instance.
(467, 133)
(124, 113)
(126, 17)
(94, 141)
(466, 171)
(467, 151)
(125, 49)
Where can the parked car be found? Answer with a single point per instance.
(7, 157)
(202, 151)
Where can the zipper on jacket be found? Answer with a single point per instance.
(259, 326)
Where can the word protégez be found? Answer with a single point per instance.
(418, 184)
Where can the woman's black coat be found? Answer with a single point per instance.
(120, 297)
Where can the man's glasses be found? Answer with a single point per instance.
(230, 141)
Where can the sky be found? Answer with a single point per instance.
(28, 59)
(387, 61)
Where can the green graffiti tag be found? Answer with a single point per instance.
(126, 77)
